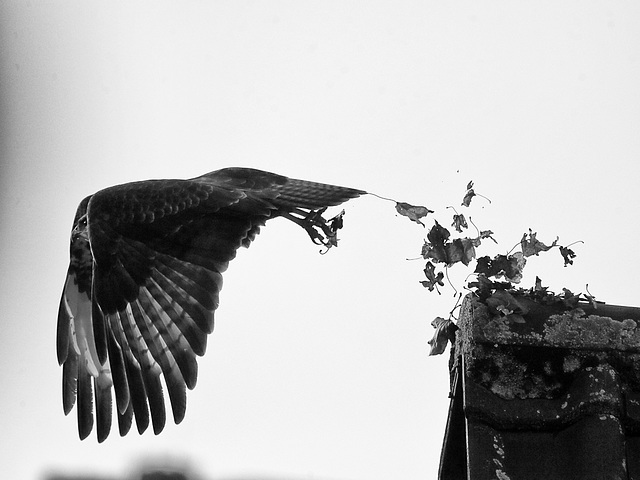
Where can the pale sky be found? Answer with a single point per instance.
(318, 367)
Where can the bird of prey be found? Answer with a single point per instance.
(143, 282)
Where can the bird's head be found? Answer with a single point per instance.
(80, 230)
(80, 248)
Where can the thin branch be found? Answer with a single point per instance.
(383, 198)
(446, 273)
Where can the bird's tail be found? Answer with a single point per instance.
(283, 192)
(312, 195)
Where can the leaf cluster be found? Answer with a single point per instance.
(494, 276)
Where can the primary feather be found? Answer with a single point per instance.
(144, 279)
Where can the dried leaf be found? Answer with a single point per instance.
(568, 255)
(506, 304)
(461, 250)
(590, 298)
(515, 274)
(483, 286)
(508, 266)
(570, 299)
(487, 234)
(466, 201)
(413, 212)
(440, 249)
(538, 287)
(435, 247)
(433, 279)
(445, 333)
(459, 222)
(533, 246)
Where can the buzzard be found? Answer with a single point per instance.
(143, 282)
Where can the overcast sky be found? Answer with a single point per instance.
(319, 365)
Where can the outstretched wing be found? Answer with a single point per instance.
(159, 249)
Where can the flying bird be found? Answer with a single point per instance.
(143, 282)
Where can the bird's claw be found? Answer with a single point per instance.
(320, 230)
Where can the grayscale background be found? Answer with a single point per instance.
(318, 367)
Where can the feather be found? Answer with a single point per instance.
(99, 332)
(103, 402)
(113, 287)
(162, 355)
(64, 324)
(202, 317)
(138, 394)
(173, 338)
(156, 400)
(82, 329)
(136, 343)
(125, 419)
(198, 283)
(69, 381)
(196, 337)
(85, 403)
(311, 195)
(118, 373)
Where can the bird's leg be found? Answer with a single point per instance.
(316, 226)
(311, 221)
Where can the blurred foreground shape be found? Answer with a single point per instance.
(551, 394)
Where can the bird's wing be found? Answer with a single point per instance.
(159, 250)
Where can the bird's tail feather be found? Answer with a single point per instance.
(312, 195)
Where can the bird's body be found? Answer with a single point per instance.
(145, 272)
